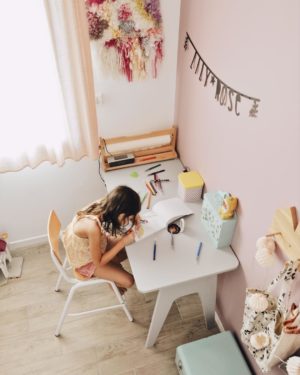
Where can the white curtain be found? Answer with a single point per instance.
(47, 105)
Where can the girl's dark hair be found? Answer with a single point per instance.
(121, 200)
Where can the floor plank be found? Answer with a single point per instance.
(101, 344)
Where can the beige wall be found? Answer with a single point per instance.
(254, 47)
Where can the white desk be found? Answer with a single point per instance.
(175, 272)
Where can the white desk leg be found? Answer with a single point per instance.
(163, 304)
(208, 292)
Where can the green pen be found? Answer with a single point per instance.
(143, 199)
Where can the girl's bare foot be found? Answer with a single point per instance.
(122, 290)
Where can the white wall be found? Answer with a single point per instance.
(27, 196)
(137, 107)
(128, 108)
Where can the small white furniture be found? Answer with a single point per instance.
(54, 227)
(176, 271)
(10, 266)
(5, 256)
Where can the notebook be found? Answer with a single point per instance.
(162, 213)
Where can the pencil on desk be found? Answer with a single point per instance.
(160, 186)
(154, 250)
(153, 187)
(199, 250)
(143, 199)
(172, 239)
(157, 182)
(154, 166)
(149, 187)
(153, 173)
(149, 200)
(162, 180)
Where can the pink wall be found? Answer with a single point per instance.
(254, 48)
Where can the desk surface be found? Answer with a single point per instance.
(172, 265)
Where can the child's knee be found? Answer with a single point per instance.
(129, 281)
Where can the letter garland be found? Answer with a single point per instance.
(224, 94)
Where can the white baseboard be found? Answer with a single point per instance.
(219, 322)
(27, 242)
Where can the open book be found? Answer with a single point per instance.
(162, 213)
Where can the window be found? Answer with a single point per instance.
(38, 116)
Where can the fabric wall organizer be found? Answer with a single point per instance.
(128, 35)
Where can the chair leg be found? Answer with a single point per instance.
(60, 276)
(122, 302)
(129, 316)
(65, 310)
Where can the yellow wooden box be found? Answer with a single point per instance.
(190, 185)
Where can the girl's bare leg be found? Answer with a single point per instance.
(114, 272)
(121, 256)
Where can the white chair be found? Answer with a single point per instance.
(54, 227)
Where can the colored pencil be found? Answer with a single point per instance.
(154, 166)
(143, 199)
(153, 173)
(154, 250)
(199, 250)
(149, 200)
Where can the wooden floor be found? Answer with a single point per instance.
(102, 344)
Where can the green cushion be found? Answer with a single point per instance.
(215, 355)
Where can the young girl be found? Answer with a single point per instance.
(96, 237)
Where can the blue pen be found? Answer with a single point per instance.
(154, 250)
(199, 250)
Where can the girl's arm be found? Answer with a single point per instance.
(95, 237)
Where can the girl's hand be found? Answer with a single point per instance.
(128, 239)
(137, 222)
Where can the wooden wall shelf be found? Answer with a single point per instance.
(143, 155)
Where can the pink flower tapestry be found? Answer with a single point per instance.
(128, 34)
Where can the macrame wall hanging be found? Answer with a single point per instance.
(224, 94)
(129, 36)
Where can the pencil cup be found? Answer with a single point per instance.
(176, 227)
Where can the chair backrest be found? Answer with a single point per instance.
(54, 227)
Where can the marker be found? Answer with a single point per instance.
(172, 239)
(199, 250)
(154, 250)
(154, 166)
(152, 174)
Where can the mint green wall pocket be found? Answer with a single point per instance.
(220, 231)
